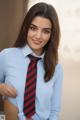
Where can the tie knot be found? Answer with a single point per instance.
(33, 58)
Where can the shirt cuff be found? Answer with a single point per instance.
(21, 116)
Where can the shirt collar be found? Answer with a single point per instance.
(27, 50)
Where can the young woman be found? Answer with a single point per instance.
(39, 36)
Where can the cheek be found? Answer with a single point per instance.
(30, 34)
(46, 38)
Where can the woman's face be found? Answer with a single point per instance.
(39, 34)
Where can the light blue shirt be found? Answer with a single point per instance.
(13, 68)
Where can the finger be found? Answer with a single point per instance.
(11, 92)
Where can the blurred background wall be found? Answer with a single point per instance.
(11, 16)
(12, 13)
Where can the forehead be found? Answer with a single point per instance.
(41, 22)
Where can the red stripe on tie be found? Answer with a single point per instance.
(29, 95)
(31, 73)
(30, 108)
(30, 88)
(31, 66)
(28, 102)
(30, 114)
(30, 81)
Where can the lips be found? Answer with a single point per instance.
(37, 42)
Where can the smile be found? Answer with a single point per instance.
(37, 42)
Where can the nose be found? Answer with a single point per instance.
(38, 34)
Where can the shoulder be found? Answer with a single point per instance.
(9, 52)
(10, 56)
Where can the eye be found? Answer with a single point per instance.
(33, 28)
(47, 31)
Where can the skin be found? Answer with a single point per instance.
(6, 90)
(38, 36)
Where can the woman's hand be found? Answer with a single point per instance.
(8, 91)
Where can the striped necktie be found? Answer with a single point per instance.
(30, 87)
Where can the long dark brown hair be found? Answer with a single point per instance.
(51, 49)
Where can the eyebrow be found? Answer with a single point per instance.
(48, 28)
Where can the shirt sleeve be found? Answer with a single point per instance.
(2, 67)
(56, 98)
